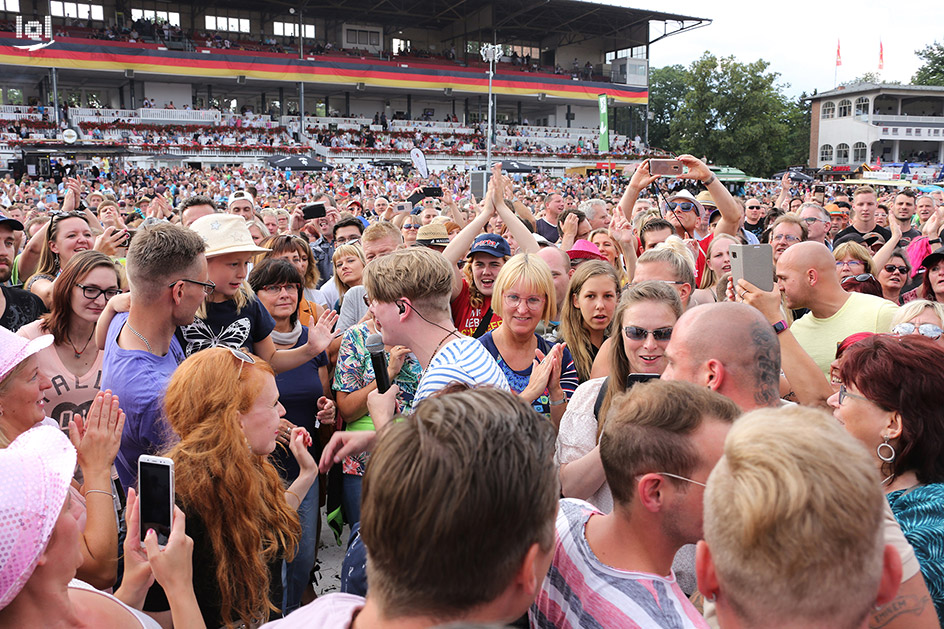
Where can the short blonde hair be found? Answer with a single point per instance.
(914, 308)
(855, 250)
(535, 273)
(793, 519)
(676, 254)
(342, 252)
(418, 274)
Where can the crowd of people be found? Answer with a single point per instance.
(558, 405)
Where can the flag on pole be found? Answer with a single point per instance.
(604, 145)
(881, 55)
(838, 56)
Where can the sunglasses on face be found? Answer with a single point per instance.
(411, 225)
(891, 268)
(635, 333)
(925, 329)
(685, 206)
(753, 207)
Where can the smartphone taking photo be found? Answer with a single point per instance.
(156, 496)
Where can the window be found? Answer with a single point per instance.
(158, 17)
(826, 153)
(290, 29)
(359, 38)
(829, 110)
(72, 9)
(845, 108)
(842, 153)
(230, 24)
(858, 152)
(401, 46)
(10, 5)
(862, 106)
(14, 95)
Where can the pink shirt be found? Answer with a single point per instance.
(70, 395)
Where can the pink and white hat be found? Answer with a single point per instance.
(36, 470)
(584, 249)
(15, 349)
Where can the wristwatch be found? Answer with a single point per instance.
(780, 326)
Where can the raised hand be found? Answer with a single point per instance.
(98, 436)
(299, 442)
(320, 333)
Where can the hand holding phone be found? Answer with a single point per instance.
(313, 211)
(754, 263)
(671, 167)
(156, 496)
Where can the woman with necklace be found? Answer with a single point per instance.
(542, 374)
(73, 362)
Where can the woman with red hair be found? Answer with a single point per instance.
(890, 398)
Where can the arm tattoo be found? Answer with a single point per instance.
(766, 364)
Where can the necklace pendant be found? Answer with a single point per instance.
(77, 355)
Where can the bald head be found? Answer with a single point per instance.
(729, 347)
(808, 255)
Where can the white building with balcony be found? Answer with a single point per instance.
(867, 122)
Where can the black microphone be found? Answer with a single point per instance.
(375, 345)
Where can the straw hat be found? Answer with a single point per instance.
(225, 233)
(36, 470)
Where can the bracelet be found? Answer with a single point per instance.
(563, 400)
(780, 326)
(710, 181)
(934, 242)
(99, 491)
(289, 491)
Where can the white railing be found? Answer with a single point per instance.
(16, 109)
(344, 124)
(910, 120)
(179, 115)
(5, 115)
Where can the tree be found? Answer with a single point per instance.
(668, 87)
(932, 72)
(870, 77)
(736, 114)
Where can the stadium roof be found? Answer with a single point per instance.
(569, 21)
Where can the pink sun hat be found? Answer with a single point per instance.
(36, 469)
(586, 250)
(15, 349)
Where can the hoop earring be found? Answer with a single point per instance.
(888, 458)
(712, 598)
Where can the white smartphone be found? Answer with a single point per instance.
(754, 263)
(156, 496)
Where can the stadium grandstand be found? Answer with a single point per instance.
(222, 82)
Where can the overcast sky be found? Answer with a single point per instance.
(798, 38)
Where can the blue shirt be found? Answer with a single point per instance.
(299, 390)
(518, 380)
(139, 379)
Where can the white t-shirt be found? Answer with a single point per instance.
(461, 360)
(333, 611)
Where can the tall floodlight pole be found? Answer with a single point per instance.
(490, 54)
(301, 84)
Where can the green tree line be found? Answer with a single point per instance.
(733, 113)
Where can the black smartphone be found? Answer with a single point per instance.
(127, 241)
(314, 210)
(819, 193)
(432, 191)
(156, 496)
(635, 378)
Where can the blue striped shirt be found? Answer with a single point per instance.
(463, 360)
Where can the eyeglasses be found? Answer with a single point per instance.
(812, 219)
(753, 207)
(635, 333)
(844, 393)
(842, 263)
(367, 301)
(925, 329)
(677, 477)
(891, 268)
(685, 206)
(208, 287)
(275, 289)
(784, 238)
(632, 284)
(533, 303)
(411, 225)
(349, 241)
(864, 277)
(92, 292)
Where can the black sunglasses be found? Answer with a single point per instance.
(635, 333)
(891, 268)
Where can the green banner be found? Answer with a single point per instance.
(604, 145)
